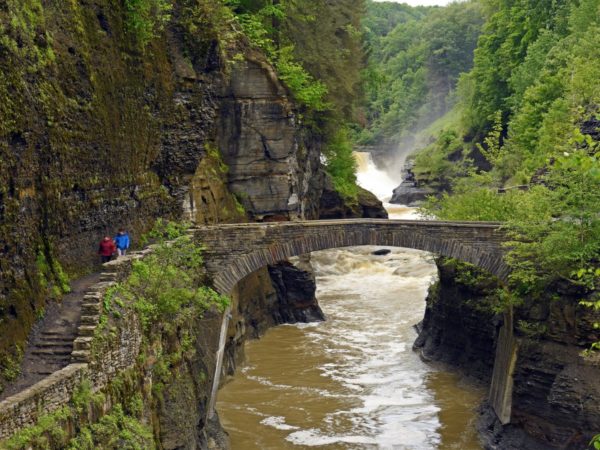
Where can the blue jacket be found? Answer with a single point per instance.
(122, 241)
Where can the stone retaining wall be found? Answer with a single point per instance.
(50, 394)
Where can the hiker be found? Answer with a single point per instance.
(106, 249)
(122, 242)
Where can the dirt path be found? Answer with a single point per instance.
(51, 340)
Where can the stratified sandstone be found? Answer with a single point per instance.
(556, 394)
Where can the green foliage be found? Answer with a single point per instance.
(123, 426)
(258, 26)
(327, 40)
(239, 207)
(532, 330)
(215, 154)
(341, 164)
(433, 164)
(595, 442)
(47, 433)
(306, 89)
(116, 430)
(414, 66)
(492, 143)
(11, 363)
(147, 18)
(511, 28)
(167, 286)
(51, 275)
(533, 86)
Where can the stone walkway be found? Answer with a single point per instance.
(51, 340)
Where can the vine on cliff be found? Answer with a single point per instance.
(167, 285)
(147, 18)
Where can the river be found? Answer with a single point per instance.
(352, 382)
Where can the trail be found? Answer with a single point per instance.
(50, 342)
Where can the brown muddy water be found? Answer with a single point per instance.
(353, 381)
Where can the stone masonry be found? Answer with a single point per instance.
(234, 251)
(54, 391)
(231, 253)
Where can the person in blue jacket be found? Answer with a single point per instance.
(122, 242)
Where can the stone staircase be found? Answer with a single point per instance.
(51, 340)
(53, 349)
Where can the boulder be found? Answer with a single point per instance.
(333, 206)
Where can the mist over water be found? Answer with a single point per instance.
(353, 381)
(372, 179)
(382, 184)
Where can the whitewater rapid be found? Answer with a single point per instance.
(353, 381)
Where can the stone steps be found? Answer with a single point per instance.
(51, 352)
(51, 343)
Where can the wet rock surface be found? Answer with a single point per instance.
(295, 290)
(455, 329)
(410, 192)
(556, 394)
(333, 206)
(383, 251)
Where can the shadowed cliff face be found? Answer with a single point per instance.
(556, 396)
(96, 134)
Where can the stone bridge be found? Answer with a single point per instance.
(234, 251)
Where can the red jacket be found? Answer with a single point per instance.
(107, 248)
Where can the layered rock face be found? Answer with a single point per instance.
(556, 394)
(270, 165)
(333, 206)
(409, 192)
(459, 328)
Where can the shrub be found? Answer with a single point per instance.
(147, 18)
(341, 165)
(167, 286)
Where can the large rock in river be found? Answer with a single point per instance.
(334, 206)
(409, 192)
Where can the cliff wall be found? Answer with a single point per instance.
(556, 395)
(100, 131)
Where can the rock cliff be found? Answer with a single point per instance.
(409, 192)
(99, 132)
(556, 395)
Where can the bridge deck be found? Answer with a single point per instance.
(235, 250)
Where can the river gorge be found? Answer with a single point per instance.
(353, 381)
(219, 135)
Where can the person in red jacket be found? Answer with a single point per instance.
(106, 249)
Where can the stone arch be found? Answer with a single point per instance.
(254, 246)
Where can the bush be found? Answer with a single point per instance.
(341, 165)
(167, 286)
(147, 18)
